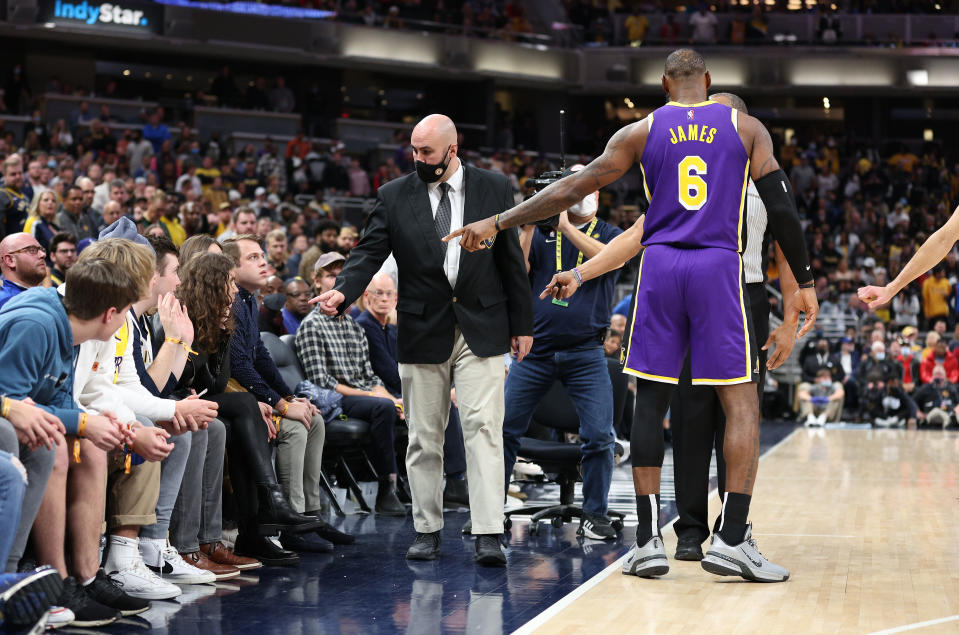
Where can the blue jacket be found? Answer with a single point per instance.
(250, 362)
(37, 353)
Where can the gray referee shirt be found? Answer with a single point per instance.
(755, 232)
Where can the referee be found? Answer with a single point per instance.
(697, 422)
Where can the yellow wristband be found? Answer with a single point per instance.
(82, 426)
(5, 409)
(189, 351)
(286, 407)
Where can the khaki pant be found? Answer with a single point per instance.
(131, 498)
(833, 409)
(299, 459)
(479, 393)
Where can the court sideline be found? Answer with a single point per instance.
(866, 521)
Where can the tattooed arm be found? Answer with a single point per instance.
(624, 148)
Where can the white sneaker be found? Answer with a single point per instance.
(527, 470)
(137, 580)
(821, 421)
(164, 560)
(625, 445)
(647, 561)
(743, 560)
(810, 420)
(59, 617)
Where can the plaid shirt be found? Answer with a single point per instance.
(334, 351)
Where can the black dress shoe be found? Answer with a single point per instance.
(425, 547)
(326, 531)
(689, 550)
(387, 503)
(305, 543)
(275, 514)
(489, 552)
(253, 545)
(456, 493)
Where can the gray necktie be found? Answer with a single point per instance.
(444, 215)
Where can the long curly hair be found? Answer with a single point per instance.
(205, 289)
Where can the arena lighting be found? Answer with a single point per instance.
(918, 77)
(825, 103)
(927, 134)
(126, 72)
(628, 102)
(49, 25)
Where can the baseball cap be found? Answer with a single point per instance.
(124, 228)
(847, 340)
(869, 263)
(909, 330)
(328, 259)
(260, 191)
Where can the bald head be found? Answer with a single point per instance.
(684, 64)
(22, 260)
(434, 129)
(380, 297)
(434, 143)
(733, 101)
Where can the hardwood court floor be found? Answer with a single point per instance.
(867, 522)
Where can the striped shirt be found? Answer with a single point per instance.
(755, 233)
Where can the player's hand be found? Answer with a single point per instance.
(329, 302)
(876, 297)
(151, 443)
(562, 286)
(472, 236)
(784, 338)
(521, 345)
(299, 411)
(266, 411)
(806, 302)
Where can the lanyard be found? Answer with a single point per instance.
(559, 246)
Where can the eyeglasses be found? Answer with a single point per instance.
(382, 294)
(33, 250)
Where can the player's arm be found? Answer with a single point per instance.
(621, 152)
(926, 257)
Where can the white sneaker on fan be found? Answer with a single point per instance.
(166, 562)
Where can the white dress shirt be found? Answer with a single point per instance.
(457, 196)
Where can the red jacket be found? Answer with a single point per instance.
(951, 364)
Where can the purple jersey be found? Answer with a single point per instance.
(695, 171)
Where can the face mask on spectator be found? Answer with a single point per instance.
(585, 208)
(939, 381)
(881, 356)
(826, 383)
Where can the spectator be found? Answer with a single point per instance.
(276, 254)
(297, 304)
(936, 292)
(637, 26)
(908, 365)
(613, 344)
(155, 132)
(704, 25)
(14, 204)
(302, 430)
(22, 264)
(816, 362)
(670, 30)
(281, 97)
(138, 149)
(327, 233)
(359, 180)
(906, 308)
(937, 401)
(243, 222)
(875, 367)
(888, 405)
(63, 253)
(335, 355)
(347, 239)
(932, 338)
(41, 222)
(821, 401)
(72, 219)
(939, 356)
(224, 88)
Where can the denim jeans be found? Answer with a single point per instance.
(584, 373)
(171, 474)
(39, 464)
(198, 514)
(13, 485)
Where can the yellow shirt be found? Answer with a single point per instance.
(935, 297)
(174, 229)
(636, 27)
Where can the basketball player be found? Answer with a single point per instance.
(696, 157)
(926, 257)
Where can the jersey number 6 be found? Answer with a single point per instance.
(692, 188)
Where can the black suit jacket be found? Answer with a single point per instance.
(491, 301)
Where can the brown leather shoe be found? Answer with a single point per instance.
(221, 554)
(200, 561)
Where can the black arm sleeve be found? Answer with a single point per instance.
(777, 196)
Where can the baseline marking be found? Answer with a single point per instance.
(917, 625)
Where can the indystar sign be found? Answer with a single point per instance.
(131, 16)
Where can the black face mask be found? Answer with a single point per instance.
(433, 172)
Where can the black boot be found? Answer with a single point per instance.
(252, 545)
(328, 532)
(275, 514)
(387, 503)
